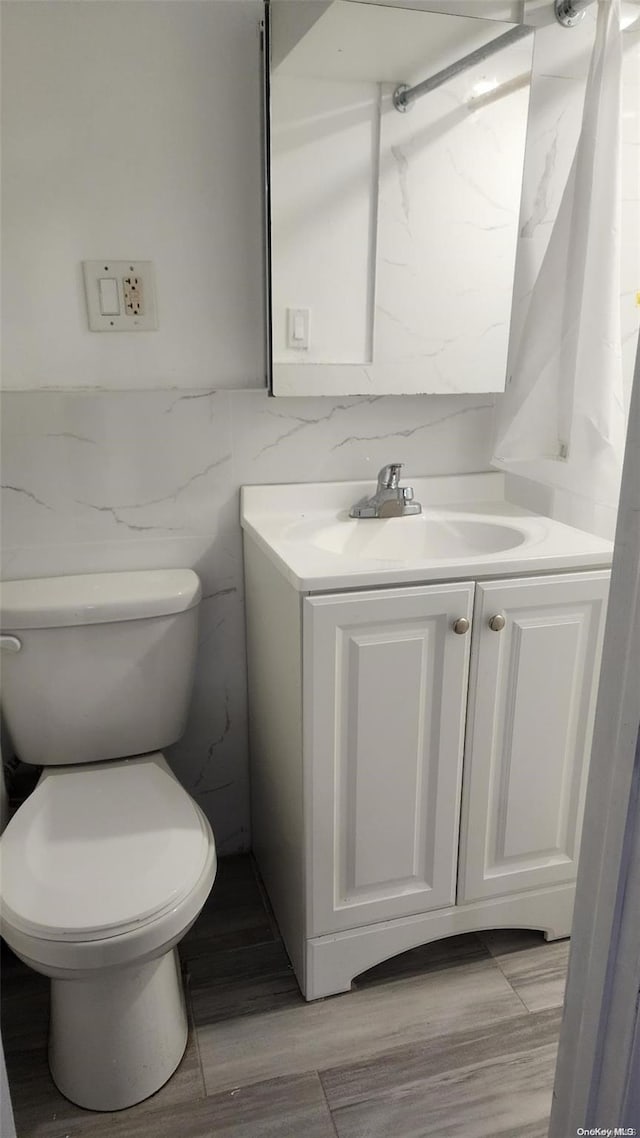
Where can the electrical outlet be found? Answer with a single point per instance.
(120, 295)
(133, 295)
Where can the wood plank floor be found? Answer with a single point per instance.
(453, 1040)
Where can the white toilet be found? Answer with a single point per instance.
(109, 861)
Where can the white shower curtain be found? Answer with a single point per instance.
(561, 420)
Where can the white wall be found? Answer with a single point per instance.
(630, 220)
(131, 130)
(105, 478)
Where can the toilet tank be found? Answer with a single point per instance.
(98, 666)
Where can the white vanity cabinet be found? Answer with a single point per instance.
(412, 779)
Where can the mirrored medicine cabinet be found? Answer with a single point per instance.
(392, 228)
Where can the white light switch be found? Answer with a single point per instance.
(109, 300)
(298, 328)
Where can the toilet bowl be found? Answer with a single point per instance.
(109, 861)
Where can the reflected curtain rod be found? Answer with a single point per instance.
(570, 12)
(404, 96)
(567, 12)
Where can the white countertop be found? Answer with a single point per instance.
(306, 532)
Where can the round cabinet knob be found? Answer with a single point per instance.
(497, 622)
(461, 625)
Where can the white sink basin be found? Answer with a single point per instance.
(419, 538)
(468, 530)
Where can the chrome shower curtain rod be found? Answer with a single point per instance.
(567, 12)
(570, 12)
(404, 96)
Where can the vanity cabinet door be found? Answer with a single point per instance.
(532, 693)
(384, 698)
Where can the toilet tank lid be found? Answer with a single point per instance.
(96, 598)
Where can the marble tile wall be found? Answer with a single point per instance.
(131, 479)
(449, 198)
(121, 479)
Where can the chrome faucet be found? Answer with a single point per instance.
(391, 500)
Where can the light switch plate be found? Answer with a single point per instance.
(136, 303)
(298, 328)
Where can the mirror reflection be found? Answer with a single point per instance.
(393, 229)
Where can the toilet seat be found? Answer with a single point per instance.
(101, 850)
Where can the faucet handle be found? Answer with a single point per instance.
(389, 476)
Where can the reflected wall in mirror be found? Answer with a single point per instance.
(393, 235)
